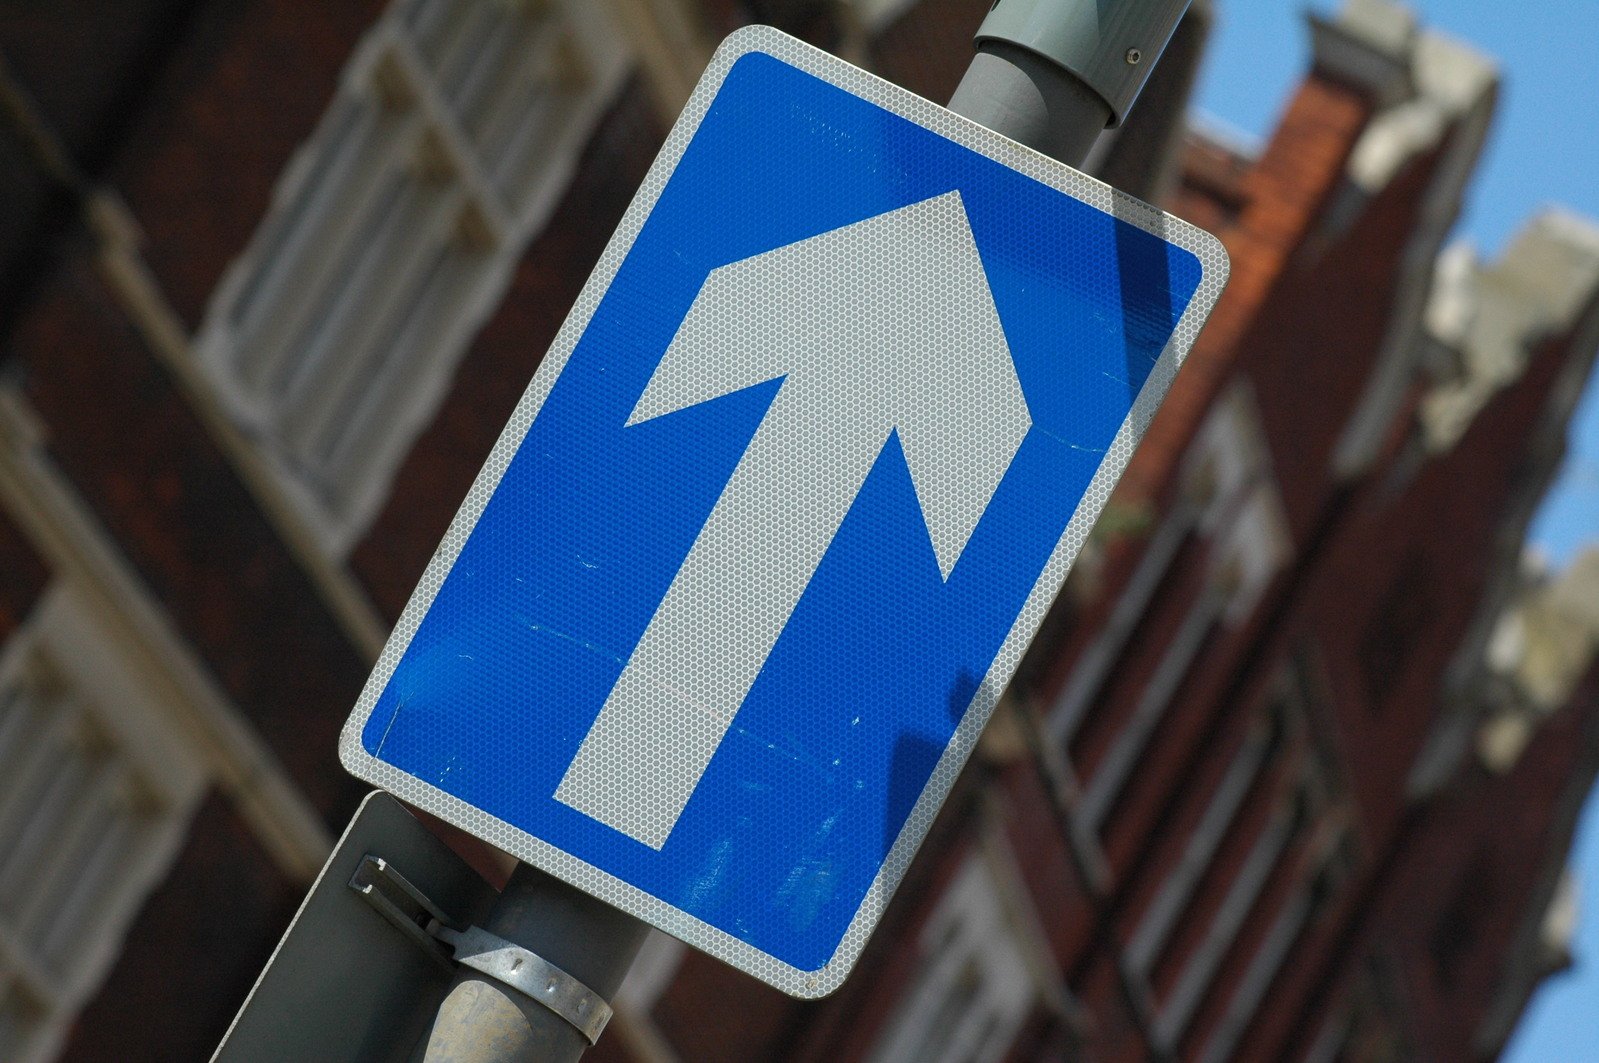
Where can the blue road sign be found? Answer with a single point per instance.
(727, 608)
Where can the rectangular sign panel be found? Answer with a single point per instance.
(726, 610)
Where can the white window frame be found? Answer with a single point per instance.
(1194, 982)
(334, 374)
(1321, 872)
(1243, 772)
(969, 938)
(1302, 809)
(1226, 496)
(64, 644)
(877, 15)
(1110, 776)
(1093, 668)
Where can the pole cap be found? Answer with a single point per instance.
(1110, 45)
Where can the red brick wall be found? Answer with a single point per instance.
(217, 125)
(928, 49)
(1450, 519)
(131, 446)
(1487, 845)
(191, 110)
(83, 73)
(1304, 319)
(1283, 197)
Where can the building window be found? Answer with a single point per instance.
(394, 231)
(1303, 837)
(876, 15)
(1227, 516)
(1460, 925)
(1369, 1026)
(975, 990)
(1093, 670)
(1126, 751)
(1243, 773)
(1243, 892)
(1396, 628)
(1328, 867)
(91, 809)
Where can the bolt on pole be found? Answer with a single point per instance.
(1054, 74)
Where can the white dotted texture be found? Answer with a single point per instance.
(950, 501)
(881, 326)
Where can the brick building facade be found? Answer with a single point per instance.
(1290, 774)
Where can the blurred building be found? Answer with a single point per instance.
(1291, 773)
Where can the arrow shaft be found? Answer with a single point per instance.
(887, 323)
(726, 607)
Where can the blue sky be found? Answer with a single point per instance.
(1544, 149)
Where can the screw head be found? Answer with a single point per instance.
(1133, 56)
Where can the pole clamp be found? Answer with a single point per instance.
(530, 974)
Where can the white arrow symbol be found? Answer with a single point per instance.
(887, 324)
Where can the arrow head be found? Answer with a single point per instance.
(886, 324)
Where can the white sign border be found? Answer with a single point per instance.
(614, 891)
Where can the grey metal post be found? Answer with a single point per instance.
(1053, 74)
(485, 1021)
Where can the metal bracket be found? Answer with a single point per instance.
(531, 975)
(402, 904)
(437, 934)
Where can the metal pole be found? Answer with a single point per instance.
(483, 1020)
(1053, 74)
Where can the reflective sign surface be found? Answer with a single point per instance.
(727, 608)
